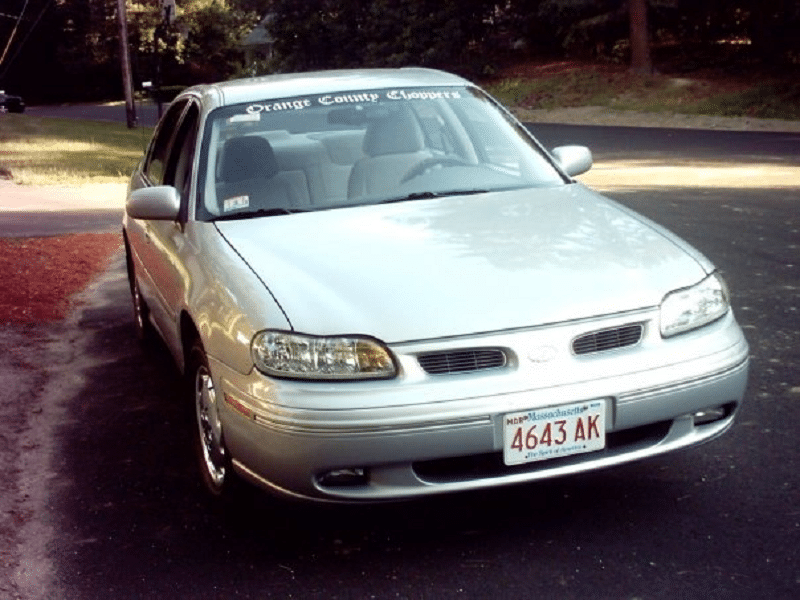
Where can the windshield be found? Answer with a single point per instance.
(362, 147)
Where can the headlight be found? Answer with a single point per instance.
(298, 356)
(684, 310)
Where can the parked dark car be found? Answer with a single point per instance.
(11, 103)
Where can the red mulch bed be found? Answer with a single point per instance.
(40, 275)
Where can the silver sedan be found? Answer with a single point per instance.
(380, 286)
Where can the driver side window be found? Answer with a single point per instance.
(181, 157)
(156, 164)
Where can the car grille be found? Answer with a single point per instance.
(608, 339)
(482, 466)
(462, 361)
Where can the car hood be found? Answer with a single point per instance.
(461, 265)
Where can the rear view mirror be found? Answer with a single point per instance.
(158, 203)
(573, 160)
(358, 115)
(352, 115)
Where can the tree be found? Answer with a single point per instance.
(316, 34)
(212, 49)
(772, 28)
(640, 37)
(589, 28)
(73, 46)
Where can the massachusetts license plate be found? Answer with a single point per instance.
(553, 432)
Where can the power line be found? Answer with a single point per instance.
(30, 31)
(13, 32)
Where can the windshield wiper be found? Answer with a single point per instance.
(261, 212)
(432, 195)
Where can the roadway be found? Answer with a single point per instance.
(146, 112)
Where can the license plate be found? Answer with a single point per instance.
(545, 433)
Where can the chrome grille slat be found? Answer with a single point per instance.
(608, 339)
(462, 361)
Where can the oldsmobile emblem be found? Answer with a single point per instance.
(541, 354)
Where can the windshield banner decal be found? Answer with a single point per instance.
(344, 98)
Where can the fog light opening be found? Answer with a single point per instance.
(351, 477)
(709, 415)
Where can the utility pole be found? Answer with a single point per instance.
(167, 19)
(125, 57)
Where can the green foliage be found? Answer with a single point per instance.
(599, 28)
(575, 27)
(74, 48)
(68, 50)
(573, 87)
(778, 100)
(620, 89)
(212, 50)
(321, 34)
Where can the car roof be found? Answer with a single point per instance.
(319, 82)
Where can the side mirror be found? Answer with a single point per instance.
(574, 160)
(159, 203)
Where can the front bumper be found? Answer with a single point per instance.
(422, 435)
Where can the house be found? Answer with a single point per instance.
(258, 44)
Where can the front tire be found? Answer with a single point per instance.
(216, 472)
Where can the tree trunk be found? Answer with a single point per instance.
(640, 38)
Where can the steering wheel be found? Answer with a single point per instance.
(430, 163)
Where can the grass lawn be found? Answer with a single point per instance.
(574, 84)
(49, 151)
